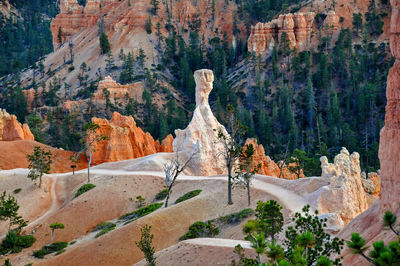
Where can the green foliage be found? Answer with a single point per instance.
(9, 212)
(380, 255)
(103, 225)
(104, 43)
(148, 25)
(84, 188)
(307, 225)
(141, 212)
(305, 243)
(146, 245)
(106, 228)
(56, 225)
(140, 201)
(25, 36)
(17, 190)
(39, 163)
(269, 218)
(188, 195)
(235, 217)
(48, 249)
(201, 229)
(14, 242)
(162, 194)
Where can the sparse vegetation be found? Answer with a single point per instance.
(14, 242)
(212, 227)
(146, 245)
(39, 163)
(48, 249)
(140, 201)
(17, 190)
(201, 229)
(188, 195)
(107, 229)
(53, 227)
(9, 211)
(141, 212)
(103, 225)
(162, 194)
(84, 188)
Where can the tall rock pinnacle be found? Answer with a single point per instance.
(389, 146)
(203, 128)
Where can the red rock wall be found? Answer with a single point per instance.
(389, 148)
(11, 129)
(125, 140)
(297, 26)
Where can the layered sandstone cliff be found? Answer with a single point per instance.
(203, 128)
(268, 166)
(11, 129)
(117, 91)
(125, 140)
(389, 145)
(298, 28)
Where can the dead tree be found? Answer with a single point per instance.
(174, 167)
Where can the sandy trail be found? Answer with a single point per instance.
(289, 199)
(55, 205)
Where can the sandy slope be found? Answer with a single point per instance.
(13, 155)
(116, 185)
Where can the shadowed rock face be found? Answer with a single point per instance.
(203, 128)
(11, 129)
(389, 148)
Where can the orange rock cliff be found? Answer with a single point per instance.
(11, 129)
(125, 140)
(389, 145)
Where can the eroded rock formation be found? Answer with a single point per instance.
(204, 129)
(389, 145)
(11, 129)
(297, 26)
(345, 194)
(117, 91)
(125, 140)
(268, 166)
(73, 18)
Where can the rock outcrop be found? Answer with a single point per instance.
(118, 92)
(297, 26)
(268, 166)
(345, 194)
(389, 145)
(11, 129)
(372, 183)
(73, 18)
(125, 140)
(203, 128)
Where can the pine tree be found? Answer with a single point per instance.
(104, 44)
(148, 25)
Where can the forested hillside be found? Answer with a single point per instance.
(306, 104)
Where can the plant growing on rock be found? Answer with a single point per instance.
(39, 163)
(174, 167)
(146, 245)
(140, 201)
(232, 148)
(53, 227)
